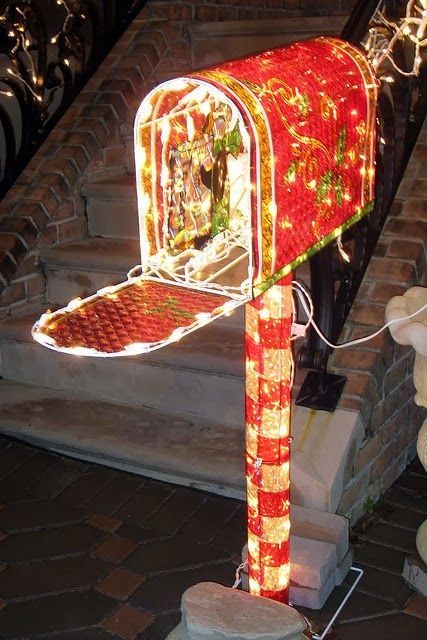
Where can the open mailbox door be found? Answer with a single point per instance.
(243, 171)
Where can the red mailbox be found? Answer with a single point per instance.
(243, 171)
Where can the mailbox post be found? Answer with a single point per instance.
(243, 172)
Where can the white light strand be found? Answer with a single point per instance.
(69, 16)
(307, 304)
(239, 570)
(23, 42)
(412, 27)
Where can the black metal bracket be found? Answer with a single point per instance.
(321, 391)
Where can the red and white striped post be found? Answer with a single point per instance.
(268, 397)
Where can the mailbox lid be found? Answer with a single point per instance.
(132, 318)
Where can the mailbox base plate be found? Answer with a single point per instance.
(321, 391)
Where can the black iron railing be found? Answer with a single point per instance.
(335, 282)
(48, 49)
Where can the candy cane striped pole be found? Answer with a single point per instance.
(268, 389)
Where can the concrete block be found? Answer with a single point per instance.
(343, 568)
(80, 268)
(307, 596)
(311, 598)
(217, 42)
(322, 526)
(323, 450)
(312, 562)
(415, 572)
(112, 218)
(213, 612)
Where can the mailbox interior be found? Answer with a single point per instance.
(193, 157)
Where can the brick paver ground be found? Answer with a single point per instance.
(89, 553)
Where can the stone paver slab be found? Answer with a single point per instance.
(38, 513)
(120, 583)
(177, 510)
(54, 613)
(417, 606)
(162, 593)
(382, 584)
(392, 627)
(380, 557)
(127, 622)
(46, 543)
(115, 549)
(161, 555)
(93, 633)
(51, 576)
(213, 612)
(161, 626)
(391, 536)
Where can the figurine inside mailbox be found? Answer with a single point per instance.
(243, 171)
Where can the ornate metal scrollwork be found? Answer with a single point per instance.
(48, 48)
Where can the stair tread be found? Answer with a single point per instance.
(162, 445)
(216, 347)
(113, 255)
(120, 187)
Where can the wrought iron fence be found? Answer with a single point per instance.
(334, 281)
(48, 49)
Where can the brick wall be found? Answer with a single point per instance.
(379, 372)
(45, 207)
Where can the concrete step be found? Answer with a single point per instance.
(199, 376)
(201, 379)
(111, 207)
(217, 42)
(194, 453)
(82, 267)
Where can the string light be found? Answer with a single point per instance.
(413, 27)
(23, 44)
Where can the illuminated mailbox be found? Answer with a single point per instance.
(243, 171)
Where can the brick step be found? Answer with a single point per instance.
(199, 376)
(216, 42)
(111, 207)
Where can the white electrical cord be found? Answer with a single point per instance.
(307, 305)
